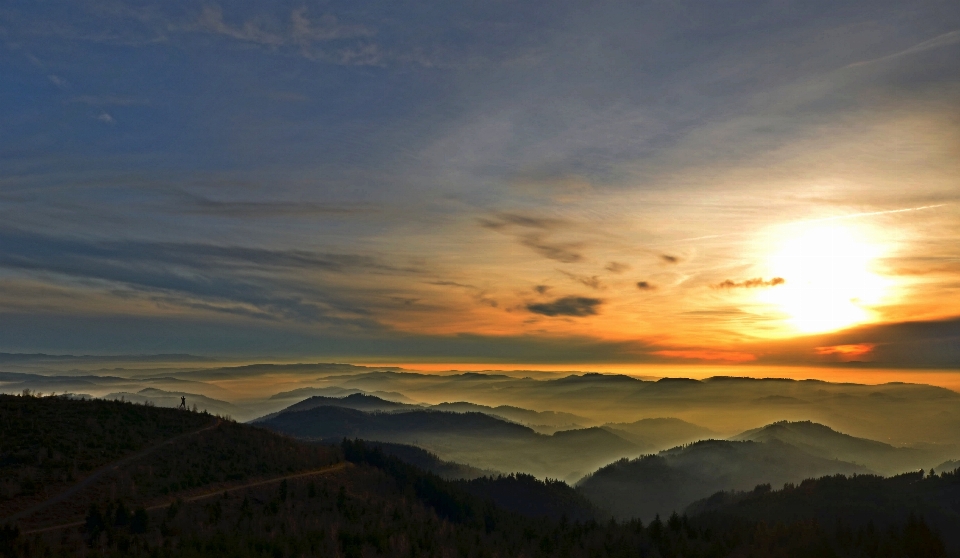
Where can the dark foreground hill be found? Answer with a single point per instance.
(672, 479)
(858, 502)
(424, 460)
(188, 484)
(476, 439)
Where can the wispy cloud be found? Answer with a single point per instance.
(504, 220)
(940, 41)
(616, 267)
(519, 225)
(566, 252)
(58, 81)
(190, 203)
(233, 279)
(301, 32)
(104, 100)
(591, 281)
(481, 296)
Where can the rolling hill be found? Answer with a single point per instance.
(476, 439)
(822, 441)
(673, 479)
(111, 478)
(162, 398)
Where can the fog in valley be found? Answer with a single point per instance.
(635, 447)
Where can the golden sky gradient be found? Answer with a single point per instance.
(640, 184)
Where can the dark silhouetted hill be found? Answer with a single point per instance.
(163, 398)
(424, 460)
(187, 485)
(948, 466)
(859, 501)
(358, 401)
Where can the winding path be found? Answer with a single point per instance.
(95, 475)
(217, 492)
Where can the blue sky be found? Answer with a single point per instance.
(324, 178)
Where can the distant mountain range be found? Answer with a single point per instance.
(898, 414)
(493, 442)
(895, 413)
(475, 438)
(779, 453)
(541, 421)
(235, 489)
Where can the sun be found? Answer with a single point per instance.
(829, 282)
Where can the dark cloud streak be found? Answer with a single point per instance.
(200, 205)
(562, 252)
(577, 306)
(254, 282)
(754, 283)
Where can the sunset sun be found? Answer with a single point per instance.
(829, 282)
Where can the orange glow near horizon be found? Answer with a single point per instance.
(949, 379)
(859, 349)
(701, 354)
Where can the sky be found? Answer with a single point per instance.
(752, 182)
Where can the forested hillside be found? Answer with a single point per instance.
(859, 501)
(178, 483)
(478, 439)
(672, 479)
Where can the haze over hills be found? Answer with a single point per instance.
(358, 401)
(822, 441)
(649, 416)
(673, 479)
(300, 394)
(545, 422)
(655, 434)
(163, 398)
(542, 421)
(472, 438)
(190, 476)
(897, 414)
(947, 466)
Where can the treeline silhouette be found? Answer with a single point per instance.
(858, 502)
(46, 442)
(377, 505)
